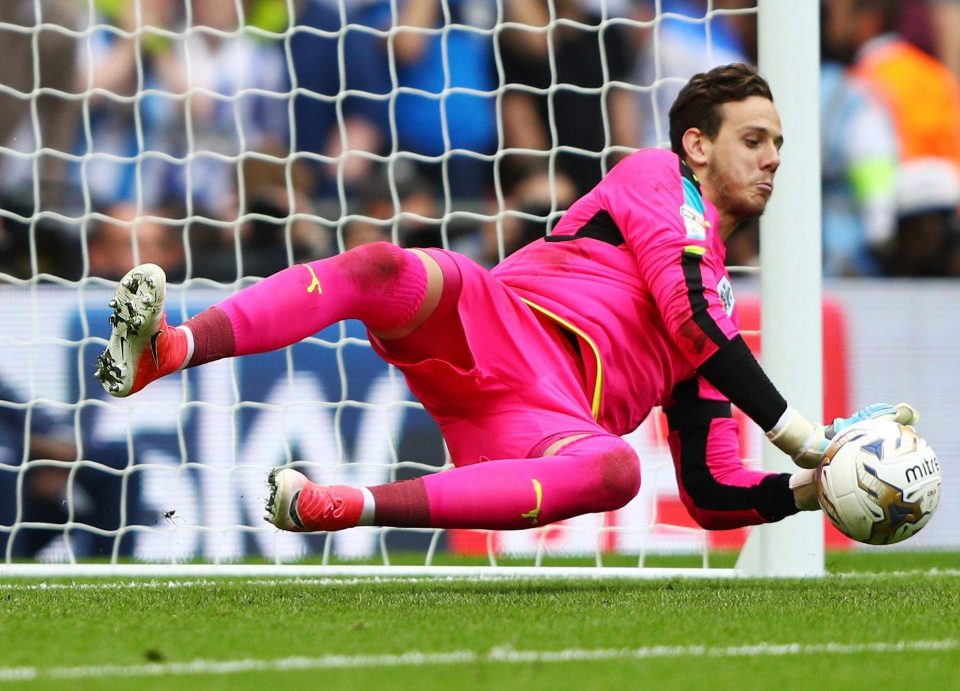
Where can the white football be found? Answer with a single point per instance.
(878, 482)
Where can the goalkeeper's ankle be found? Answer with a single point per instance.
(333, 507)
(169, 354)
(174, 347)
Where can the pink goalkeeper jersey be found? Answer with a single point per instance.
(636, 268)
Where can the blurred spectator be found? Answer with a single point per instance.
(743, 244)
(934, 27)
(363, 231)
(131, 108)
(944, 21)
(685, 45)
(418, 218)
(30, 434)
(206, 100)
(280, 227)
(920, 92)
(123, 240)
(341, 118)
(355, 111)
(532, 205)
(30, 60)
(430, 120)
(928, 233)
(556, 88)
(860, 160)
(403, 209)
(271, 236)
(923, 98)
(35, 55)
(37, 442)
(236, 104)
(35, 248)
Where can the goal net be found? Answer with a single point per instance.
(228, 139)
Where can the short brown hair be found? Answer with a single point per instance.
(698, 103)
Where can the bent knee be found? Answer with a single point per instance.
(617, 473)
(379, 262)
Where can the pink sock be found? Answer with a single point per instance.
(380, 284)
(598, 473)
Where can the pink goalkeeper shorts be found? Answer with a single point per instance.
(501, 380)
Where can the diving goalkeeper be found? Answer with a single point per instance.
(535, 369)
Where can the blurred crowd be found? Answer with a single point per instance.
(224, 138)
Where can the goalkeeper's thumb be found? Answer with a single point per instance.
(906, 414)
(802, 440)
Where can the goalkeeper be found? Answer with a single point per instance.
(534, 370)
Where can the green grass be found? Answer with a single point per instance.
(648, 630)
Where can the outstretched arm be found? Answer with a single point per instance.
(735, 372)
(716, 488)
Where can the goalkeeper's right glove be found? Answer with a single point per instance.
(805, 441)
(803, 484)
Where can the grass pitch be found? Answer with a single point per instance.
(880, 616)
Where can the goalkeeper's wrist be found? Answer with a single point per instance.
(799, 438)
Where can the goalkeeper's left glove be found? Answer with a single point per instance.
(805, 441)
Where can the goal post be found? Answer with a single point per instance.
(171, 482)
(790, 279)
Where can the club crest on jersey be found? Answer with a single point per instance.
(694, 222)
(725, 290)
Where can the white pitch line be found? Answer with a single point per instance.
(172, 583)
(500, 655)
(950, 573)
(158, 584)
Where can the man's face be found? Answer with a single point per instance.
(743, 158)
(838, 27)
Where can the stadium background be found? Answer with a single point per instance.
(201, 444)
(177, 472)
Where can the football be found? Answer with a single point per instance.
(878, 482)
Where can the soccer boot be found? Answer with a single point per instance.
(141, 348)
(297, 504)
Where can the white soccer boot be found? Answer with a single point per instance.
(141, 348)
(285, 487)
(297, 504)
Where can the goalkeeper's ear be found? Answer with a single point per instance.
(696, 148)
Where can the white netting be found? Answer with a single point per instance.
(228, 139)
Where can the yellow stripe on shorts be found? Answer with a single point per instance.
(598, 385)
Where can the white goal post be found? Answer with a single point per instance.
(170, 482)
(789, 54)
